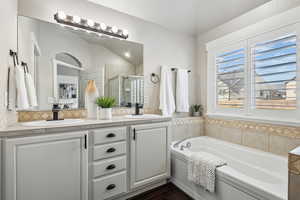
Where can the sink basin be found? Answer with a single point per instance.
(53, 123)
(145, 116)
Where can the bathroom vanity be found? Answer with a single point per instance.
(92, 160)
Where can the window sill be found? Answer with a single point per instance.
(255, 119)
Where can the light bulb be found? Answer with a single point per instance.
(76, 19)
(125, 32)
(127, 54)
(115, 29)
(90, 23)
(61, 15)
(103, 26)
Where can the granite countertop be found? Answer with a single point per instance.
(18, 130)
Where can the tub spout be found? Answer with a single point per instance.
(186, 146)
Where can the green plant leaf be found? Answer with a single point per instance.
(106, 102)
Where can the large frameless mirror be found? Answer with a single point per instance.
(62, 60)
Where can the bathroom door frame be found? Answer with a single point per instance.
(55, 63)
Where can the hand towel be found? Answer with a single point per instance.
(22, 98)
(167, 101)
(182, 91)
(31, 92)
(202, 169)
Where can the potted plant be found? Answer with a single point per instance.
(105, 105)
(197, 110)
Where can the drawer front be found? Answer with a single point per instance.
(109, 150)
(107, 135)
(109, 166)
(109, 186)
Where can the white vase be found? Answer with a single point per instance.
(91, 94)
(104, 113)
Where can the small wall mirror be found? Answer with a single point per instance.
(62, 60)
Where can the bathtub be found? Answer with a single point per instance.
(250, 174)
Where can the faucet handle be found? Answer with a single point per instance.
(55, 107)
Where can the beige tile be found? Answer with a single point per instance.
(233, 135)
(255, 139)
(282, 145)
(178, 132)
(212, 130)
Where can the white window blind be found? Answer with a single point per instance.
(230, 79)
(274, 73)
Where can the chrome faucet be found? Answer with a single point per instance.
(187, 146)
(179, 142)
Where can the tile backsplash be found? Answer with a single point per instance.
(267, 137)
(25, 116)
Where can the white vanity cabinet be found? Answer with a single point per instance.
(46, 167)
(149, 154)
(108, 161)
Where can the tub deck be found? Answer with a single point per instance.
(258, 174)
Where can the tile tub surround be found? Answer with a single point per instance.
(272, 138)
(294, 174)
(187, 127)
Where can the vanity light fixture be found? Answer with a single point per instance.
(90, 26)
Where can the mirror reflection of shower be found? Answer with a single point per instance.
(127, 90)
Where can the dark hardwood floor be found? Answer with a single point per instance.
(165, 192)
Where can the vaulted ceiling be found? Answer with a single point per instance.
(188, 16)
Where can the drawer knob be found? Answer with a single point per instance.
(111, 135)
(110, 167)
(110, 187)
(110, 150)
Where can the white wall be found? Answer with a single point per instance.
(8, 35)
(25, 47)
(161, 46)
(259, 14)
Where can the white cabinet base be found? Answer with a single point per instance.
(46, 167)
(149, 154)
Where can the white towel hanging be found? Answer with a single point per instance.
(22, 97)
(31, 92)
(167, 101)
(182, 91)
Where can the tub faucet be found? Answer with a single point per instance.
(187, 146)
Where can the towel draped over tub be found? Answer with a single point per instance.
(202, 169)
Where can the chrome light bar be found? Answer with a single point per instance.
(90, 25)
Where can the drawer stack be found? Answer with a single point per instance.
(109, 162)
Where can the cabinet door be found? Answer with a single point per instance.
(46, 167)
(150, 156)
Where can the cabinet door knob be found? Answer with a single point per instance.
(110, 167)
(110, 135)
(110, 187)
(110, 150)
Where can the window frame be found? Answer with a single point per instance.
(249, 110)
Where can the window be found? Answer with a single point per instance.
(256, 77)
(274, 70)
(230, 79)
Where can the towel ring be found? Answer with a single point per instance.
(154, 78)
